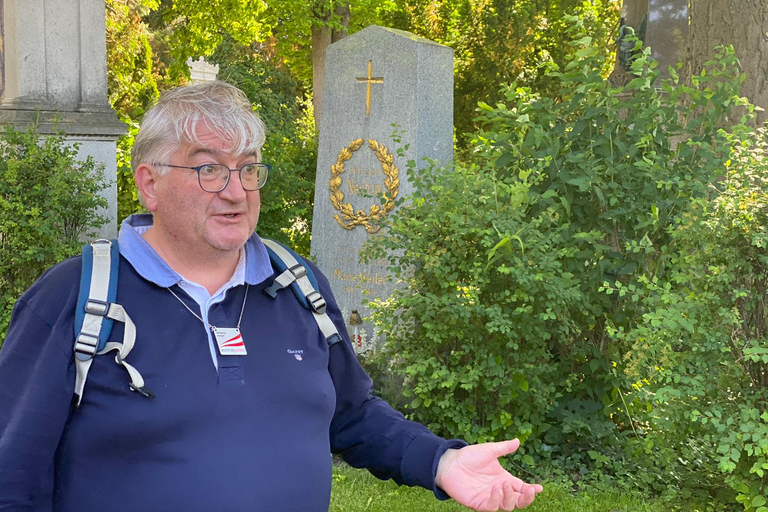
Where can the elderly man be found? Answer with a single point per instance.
(222, 430)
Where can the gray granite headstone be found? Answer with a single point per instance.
(667, 32)
(374, 79)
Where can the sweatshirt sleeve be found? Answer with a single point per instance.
(36, 386)
(367, 432)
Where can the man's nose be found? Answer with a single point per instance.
(234, 190)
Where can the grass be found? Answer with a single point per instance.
(356, 491)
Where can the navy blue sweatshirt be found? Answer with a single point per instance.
(256, 434)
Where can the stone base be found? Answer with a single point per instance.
(103, 151)
(95, 130)
(92, 122)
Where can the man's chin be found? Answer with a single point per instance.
(229, 244)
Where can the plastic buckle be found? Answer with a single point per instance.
(298, 271)
(317, 302)
(272, 289)
(97, 307)
(86, 344)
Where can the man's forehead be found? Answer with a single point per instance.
(191, 150)
(212, 143)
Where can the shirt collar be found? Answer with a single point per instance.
(153, 268)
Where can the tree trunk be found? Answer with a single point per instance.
(742, 23)
(342, 12)
(632, 12)
(322, 37)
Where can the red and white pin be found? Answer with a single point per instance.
(230, 341)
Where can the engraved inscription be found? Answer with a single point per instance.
(364, 278)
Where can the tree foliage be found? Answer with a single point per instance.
(497, 42)
(132, 86)
(291, 149)
(505, 326)
(699, 351)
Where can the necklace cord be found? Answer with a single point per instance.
(209, 326)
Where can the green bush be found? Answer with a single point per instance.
(700, 352)
(49, 202)
(503, 327)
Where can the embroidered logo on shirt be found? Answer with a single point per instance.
(296, 353)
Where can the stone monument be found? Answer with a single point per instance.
(54, 71)
(667, 32)
(377, 81)
(201, 71)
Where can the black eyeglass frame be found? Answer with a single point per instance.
(200, 181)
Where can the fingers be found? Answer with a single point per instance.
(506, 497)
(494, 501)
(510, 500)
(505, 447)
(526, 497)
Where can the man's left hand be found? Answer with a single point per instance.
(473, 477)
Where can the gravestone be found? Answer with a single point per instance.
(54, 74)
(667, 32)
(201, 71)
(374, 79)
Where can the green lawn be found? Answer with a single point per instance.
(357, 491)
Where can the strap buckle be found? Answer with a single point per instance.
(86, 345)
(298, 271)
(96, 307)
(317, 302)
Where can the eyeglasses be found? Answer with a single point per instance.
(215, 177)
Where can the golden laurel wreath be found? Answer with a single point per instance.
(349, 219)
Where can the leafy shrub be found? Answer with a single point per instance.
(459, 330)
(503, 327)
(49, 202)
(700, 352)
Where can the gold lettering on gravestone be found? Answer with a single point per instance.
(364, 278)
(368, 81)
(349, 218)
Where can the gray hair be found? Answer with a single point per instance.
(173, 120)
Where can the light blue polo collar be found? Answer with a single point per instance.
(153, 268)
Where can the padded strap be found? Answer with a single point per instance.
(97, 272)
(100, 267)
(299, 278)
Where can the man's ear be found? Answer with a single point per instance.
(146, 177)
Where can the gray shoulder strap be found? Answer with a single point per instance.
(96, 309)
(296, 273)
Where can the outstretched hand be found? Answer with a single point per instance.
(473, 477)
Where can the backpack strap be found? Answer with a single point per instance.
(302, 281)
(95, 313)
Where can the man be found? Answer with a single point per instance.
(224, 431)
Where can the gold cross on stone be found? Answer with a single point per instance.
(369, 80)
